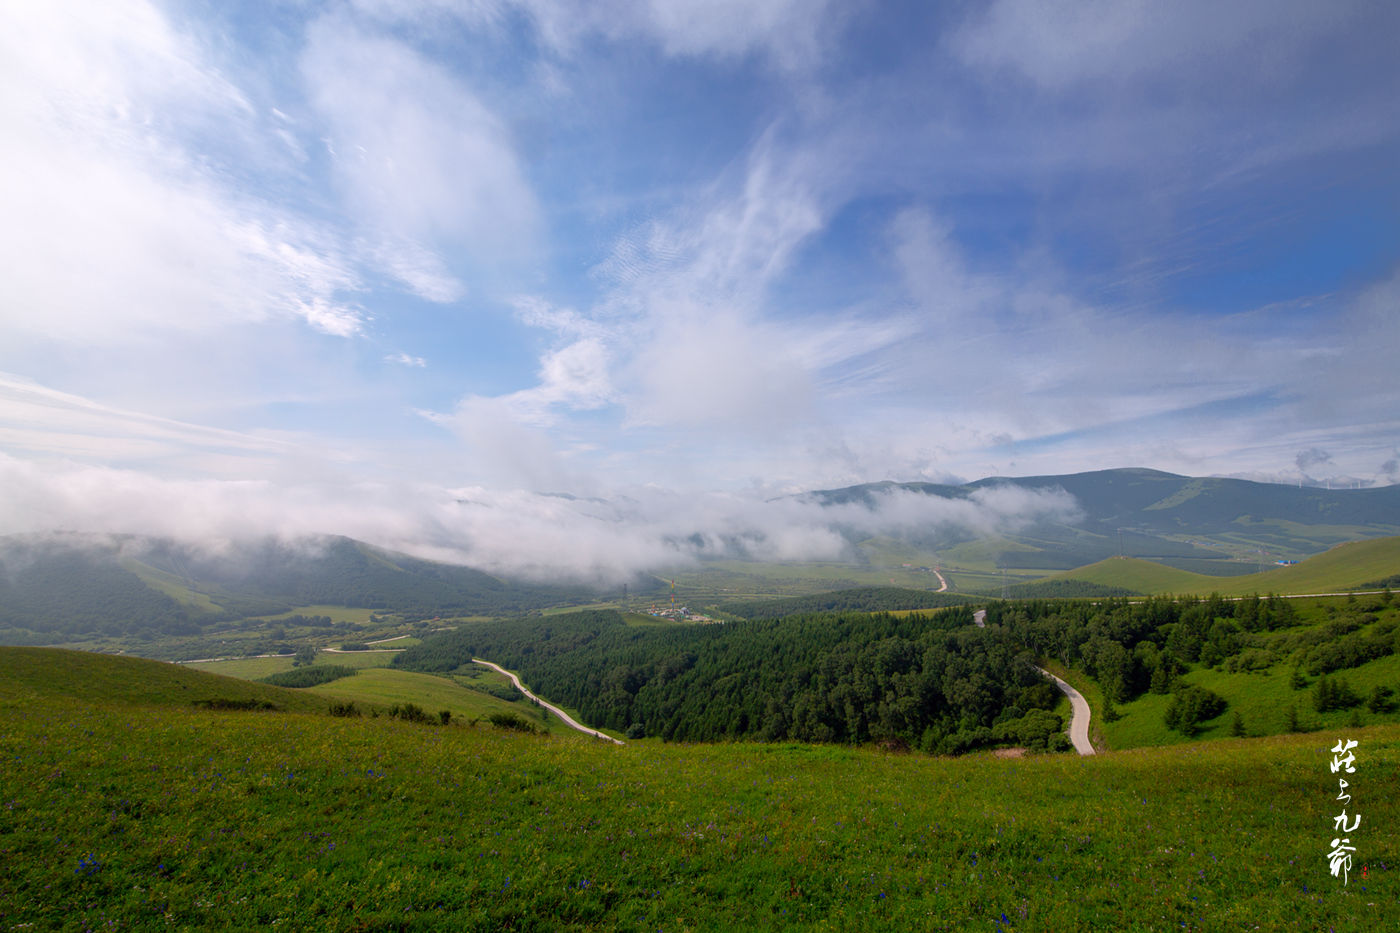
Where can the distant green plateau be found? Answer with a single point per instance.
(1345, 567)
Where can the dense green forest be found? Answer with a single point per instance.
(934, 682)
(1132, 648)
(855, 599)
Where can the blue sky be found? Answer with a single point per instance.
(280, 262)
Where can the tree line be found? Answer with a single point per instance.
(855, 599)
(934, 682)
(1132, 648)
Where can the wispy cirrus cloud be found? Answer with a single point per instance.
(424, 164)
(48, 423)
(792, 34)
(107, 108)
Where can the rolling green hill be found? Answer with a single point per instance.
(193, 819)
(1347, 566)
(64, 588)
(1191, 521)
(33, 674)
(1141, 576)
(385, 687)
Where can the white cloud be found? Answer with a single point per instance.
(47, 423)
(721, 370)
(792, 34)
(114, 228)
(682, 339)
(510, 532)
(1065, 42)
(423, 163)
(404, 359)
(732, 242)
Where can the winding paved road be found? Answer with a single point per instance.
(1079, 707)
(567, 719)
(1079, 718)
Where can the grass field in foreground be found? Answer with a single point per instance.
(200, 820)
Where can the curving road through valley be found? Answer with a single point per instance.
(1079, 707)
(565, 717)
(1079, 717)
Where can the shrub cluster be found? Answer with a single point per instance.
(1330, 694)
(225, 703)
(505, 692)
(1191, 707)
(309, 676)
(412, 712)
(511, 721)
(1351, 650)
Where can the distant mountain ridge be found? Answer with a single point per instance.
(1150, 513)
(123, 584)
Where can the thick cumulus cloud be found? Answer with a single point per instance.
(513, 533)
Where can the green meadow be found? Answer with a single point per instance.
(172, 586)
(381, 688)
(1345, 567)
(255, 668)
(377, 688)
(358, 616)
(1263, 699)
(127, 807)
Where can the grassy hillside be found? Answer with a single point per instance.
(204, 820)
(130, 591)
(35, 674)
(1143, 576)
(383, 688)
(377, 687)
(255, 668)
(174, 587)
(1344, 567)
